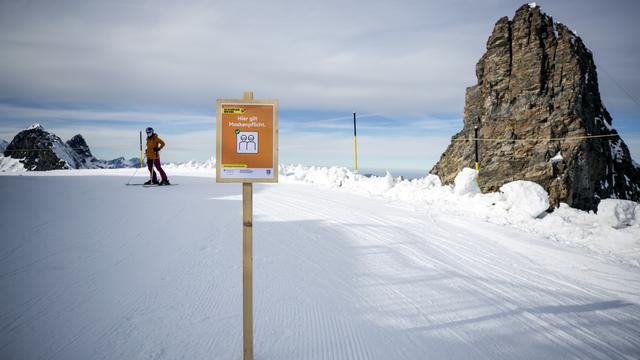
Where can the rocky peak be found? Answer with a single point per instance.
(39, 150)
(537, 97)
(35, 127)
(79, 146)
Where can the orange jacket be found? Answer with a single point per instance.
(154, 142)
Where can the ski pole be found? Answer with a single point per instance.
(140, 149)
(134, 174)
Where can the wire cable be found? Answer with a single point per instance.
(50, 149)
(540, 139)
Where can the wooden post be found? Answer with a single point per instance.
(247, 269)
(355, 144)
(247, 263)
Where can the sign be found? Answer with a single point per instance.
(246, 140)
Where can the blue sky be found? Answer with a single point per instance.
(108, 69)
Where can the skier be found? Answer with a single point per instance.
(154, 145)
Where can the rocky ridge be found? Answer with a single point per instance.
(40, 150)
(537, 106)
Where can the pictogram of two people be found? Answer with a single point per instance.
(248, 142)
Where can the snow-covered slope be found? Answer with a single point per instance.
(93, 269)
(9, 164)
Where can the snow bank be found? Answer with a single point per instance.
(614, 231)
(465, 183)
(576, 227)
(619, 213)
(190, 168)
(525, 199)
(192, 165)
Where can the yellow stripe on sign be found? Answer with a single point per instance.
(238, 166)
(233, 111)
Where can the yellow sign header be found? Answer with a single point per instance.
(233, 111)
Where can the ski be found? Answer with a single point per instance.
(156, 185)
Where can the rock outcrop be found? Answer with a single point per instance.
(79, 146)
(40, 150)
(537, 108)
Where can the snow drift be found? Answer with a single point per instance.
(619, 213)
(525, 199)
(614, 231)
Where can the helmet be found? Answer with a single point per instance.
(149, 131)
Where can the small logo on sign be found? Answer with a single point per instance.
(233, 111)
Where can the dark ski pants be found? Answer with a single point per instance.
(156, 162)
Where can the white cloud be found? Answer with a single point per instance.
(308, 54)
(386, 57)
(29, 113)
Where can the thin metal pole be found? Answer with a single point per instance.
(355, 144)
(140, 149)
